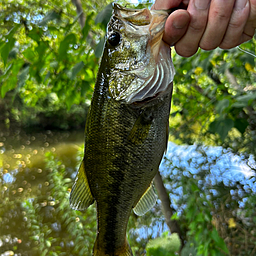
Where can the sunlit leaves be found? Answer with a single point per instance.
(56, 50)
(50, 16)
(211, 93)
(164, 246)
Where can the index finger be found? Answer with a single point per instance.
(165, 4)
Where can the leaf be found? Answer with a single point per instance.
(241, 124)
(41, 49)
(35, 34)
(245, 100)
(76, 69)
(175, 216)
(64, 45)
(222, 127)
(54, 64)
(6, 49)
(219, 241)
(13, 53)
(50, 16)
(194, 187)
(48, 243)
(29, 54)
(87, 25)
(23, 76)
(85, 87)
(103, 17)
(222, 105)
(99, 47)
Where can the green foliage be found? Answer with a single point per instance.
(164, 246)
(43, 51)
(77, 229)
(214, 95)
(198, 216)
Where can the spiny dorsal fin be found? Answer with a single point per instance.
(81, 197)
(146, 202)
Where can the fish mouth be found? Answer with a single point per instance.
(152, 20)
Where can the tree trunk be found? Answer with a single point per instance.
(80, 12)
(82, 18)
(168, 211)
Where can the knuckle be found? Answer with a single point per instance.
(234, 25)
(226, 44)
(197, 27)
(221, 16)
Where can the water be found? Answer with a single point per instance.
(23, 174)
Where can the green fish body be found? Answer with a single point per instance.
(126, 129)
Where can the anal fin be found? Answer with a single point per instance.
(146, 202)
(99, 250)
(81, 197)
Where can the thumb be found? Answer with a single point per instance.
(176, 26)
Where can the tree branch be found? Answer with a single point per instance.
(82, 18)
(166, 207)
(80, 12)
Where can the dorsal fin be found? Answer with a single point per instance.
(81, 197)
(146, 202)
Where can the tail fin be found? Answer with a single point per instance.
(124, 251)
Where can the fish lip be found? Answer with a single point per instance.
(139, 17)
(147, 22)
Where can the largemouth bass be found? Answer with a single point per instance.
(126, 130)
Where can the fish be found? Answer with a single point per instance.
(126, 130)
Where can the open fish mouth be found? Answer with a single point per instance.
(142, 65)
(145, 21)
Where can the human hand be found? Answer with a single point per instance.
(208, 24)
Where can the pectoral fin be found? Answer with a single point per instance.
(140, 129)
(146, 202)
(81, 197)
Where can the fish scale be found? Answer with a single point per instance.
(125, 139)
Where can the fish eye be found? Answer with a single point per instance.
(114, 38)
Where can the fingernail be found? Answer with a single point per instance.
(240, 4)
(202, 4)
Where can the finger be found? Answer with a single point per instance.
(252, 16)
(188, 44)
(218, 20)
(234, 34)
(250, 26)
(176, 26)
(164, 5)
